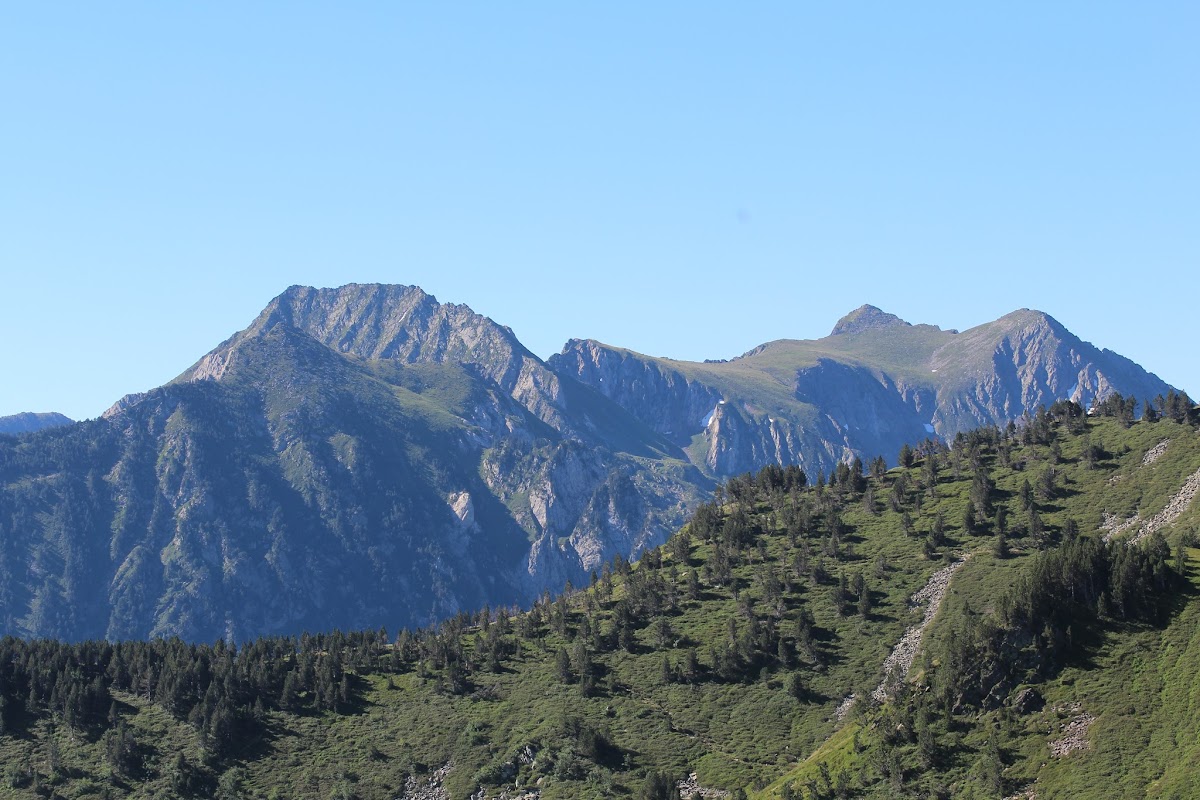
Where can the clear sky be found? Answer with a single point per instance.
(685, 179)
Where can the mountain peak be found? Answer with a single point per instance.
(386, 321)
(865, 318)
(28, 422)
(405, 324)
(1031, 316)
(321, 312)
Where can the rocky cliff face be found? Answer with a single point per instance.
(402, 324)
(662, 397)
(873, 384)
(1023, 360)
(355, 457)
(368, 456)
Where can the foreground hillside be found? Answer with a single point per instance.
(749, 649)
(367, 455)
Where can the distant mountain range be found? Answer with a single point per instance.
(367, 455)
(873, 384)
(30, 422)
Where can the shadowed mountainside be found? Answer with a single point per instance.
(367, 455)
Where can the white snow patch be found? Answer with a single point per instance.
(720, 402)
(708, 419)
(928, 427)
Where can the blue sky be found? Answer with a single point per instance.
(686, 179)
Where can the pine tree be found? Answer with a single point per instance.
(838, 594)
(969, 515)
(666, 672)
(1025, 494)
(1001, 549)
(691, 666)
(864, 601)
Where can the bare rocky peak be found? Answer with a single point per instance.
(1030, 319)
(399, 323)
(381, 321)
(865, 318)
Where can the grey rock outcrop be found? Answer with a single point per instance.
(1027, 701)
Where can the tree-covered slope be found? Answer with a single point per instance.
(731, 651)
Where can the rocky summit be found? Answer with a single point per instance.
(865, 318)
(368, 455)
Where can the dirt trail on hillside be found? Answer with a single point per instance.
(1174, 510)
(900, 660)
(1114, 526)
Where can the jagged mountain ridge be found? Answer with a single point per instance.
(367, 455)
(355, 457)
(402, 324)
(874, 383)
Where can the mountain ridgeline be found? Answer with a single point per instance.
(871, 385)
(367, 455)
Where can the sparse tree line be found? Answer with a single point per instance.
(1175, 406)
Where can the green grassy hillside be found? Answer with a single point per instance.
(727, 652)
